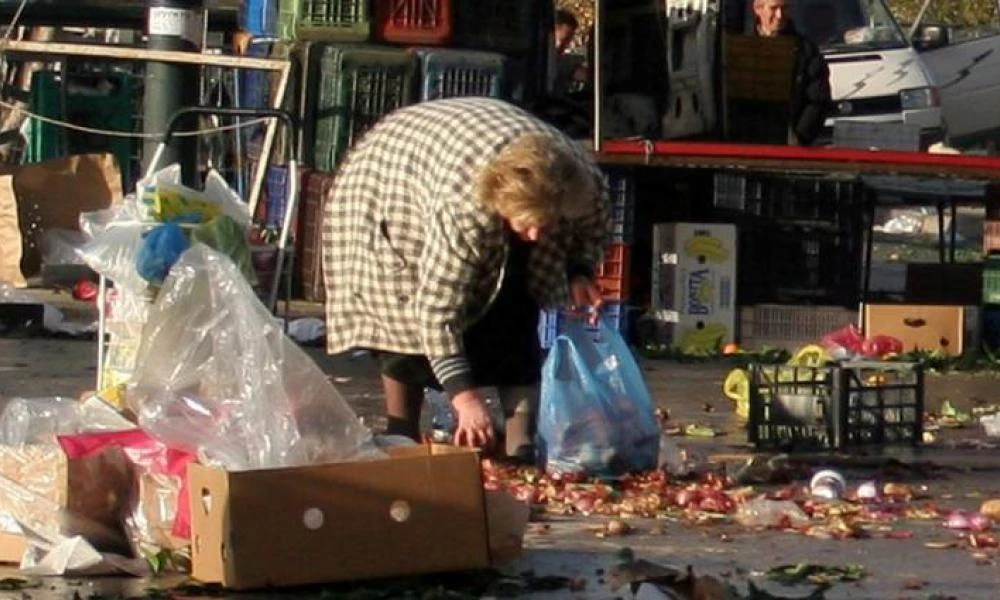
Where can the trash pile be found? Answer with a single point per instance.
(209, 408)
(825, 507)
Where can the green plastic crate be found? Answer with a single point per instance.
(99, 100)
(991, 280)
(325, 20)
(357, 86)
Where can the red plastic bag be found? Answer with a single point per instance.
(147, 454)
(846, 340)
(880, 346)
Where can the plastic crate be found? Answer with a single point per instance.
(259, 17)
(614, 275)
(105, 100)
(622, 216)
(324, 20)
(310, 267)
(836, 407)
(358, 85)
(276, 186)
(552, 322)
(991, 279)
(429, 22)
(454, 73)
(500, 25)
(790, 326)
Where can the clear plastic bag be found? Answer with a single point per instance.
(763, 512)
(113, 253)
(59, 247)
(596, 412)
(40, 420)
(163, 197)
(217, 376)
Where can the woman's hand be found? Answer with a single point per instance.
(584, 293)
(474, 427)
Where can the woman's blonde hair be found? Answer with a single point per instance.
(538, 179)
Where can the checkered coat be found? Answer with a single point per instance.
(410, 256)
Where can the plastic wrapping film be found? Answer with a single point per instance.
(39, 420)
(217, 376)
(42, 488)
(158, 516)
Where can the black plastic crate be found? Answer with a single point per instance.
(836, 407)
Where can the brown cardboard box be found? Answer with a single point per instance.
(919, 327)
(90, 497)
(421, 511)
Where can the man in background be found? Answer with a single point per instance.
(571, 68)
(810, 100)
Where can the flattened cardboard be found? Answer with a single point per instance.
(420, 511)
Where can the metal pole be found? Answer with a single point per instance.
(598, 80)
(172, 25)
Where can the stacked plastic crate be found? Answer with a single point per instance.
(362, 59)
(613, 276)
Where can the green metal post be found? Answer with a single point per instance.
(172, 25)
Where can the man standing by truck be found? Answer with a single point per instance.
(810, 100)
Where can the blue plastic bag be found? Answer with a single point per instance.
(160, 249)
(596, 415)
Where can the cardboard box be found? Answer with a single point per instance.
(922, 327)
(89, 497)
(694, 284)
(423, 510)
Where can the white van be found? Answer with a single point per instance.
(961, 49)
(875, 72)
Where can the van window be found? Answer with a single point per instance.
(838, 26)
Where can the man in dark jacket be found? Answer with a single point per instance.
(810, 100)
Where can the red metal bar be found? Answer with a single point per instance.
(862, 160)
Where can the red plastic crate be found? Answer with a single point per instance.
(428, 22)
(614, 275)
(311, 266)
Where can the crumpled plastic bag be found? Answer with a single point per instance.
(848, 342)
(179, 203)
(40, 420)
(115, 241)
(160, 249)
(596, 413)
(217, 376)
(59, 247)
(160, 516)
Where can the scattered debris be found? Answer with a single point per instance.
(819, 574)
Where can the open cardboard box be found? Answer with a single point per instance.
(422, 510)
